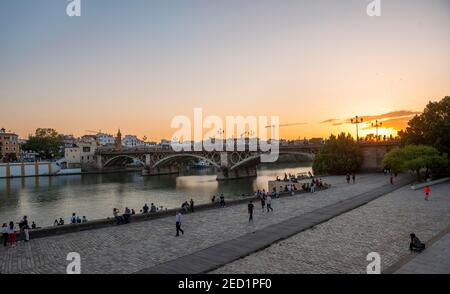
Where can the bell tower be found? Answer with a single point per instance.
(119, 140)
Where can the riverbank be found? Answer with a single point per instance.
(111, 221)
(44, 199)
(139, 245)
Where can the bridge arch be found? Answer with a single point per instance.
(184, 155)
(257, 158)
(112, 159)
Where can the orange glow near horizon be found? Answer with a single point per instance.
(319, 62)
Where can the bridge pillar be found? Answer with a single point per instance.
(160, 170)
(225, 173)
(98, 162)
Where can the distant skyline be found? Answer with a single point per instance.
(135, 65)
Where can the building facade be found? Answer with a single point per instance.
(9, 146)
(105, 139)
(81, 155)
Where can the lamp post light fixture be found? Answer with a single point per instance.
(376, 125)
(356, 120)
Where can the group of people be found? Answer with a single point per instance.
(124, 218)
(288, 177)
(350, 176)
(74, 219)
(147, 209)
(188, 207)
(221, 200)
(9, 231)
(265, 200)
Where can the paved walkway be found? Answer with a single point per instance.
(137, 246)
(434, 260)
(341, 244)
(228, 251)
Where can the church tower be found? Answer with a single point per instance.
(119, 140)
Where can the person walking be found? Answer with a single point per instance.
(348, 178)
(250, 211)
(353, 177)
(5, 234)
(269, 203)
(426, 190)
(178, 223)
(263, 201)
(392, 179)
(192, 205)
(12, 234)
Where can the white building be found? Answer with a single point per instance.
(82, 154)
(105, 139)
(131, 141)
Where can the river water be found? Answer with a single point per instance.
(43, 199)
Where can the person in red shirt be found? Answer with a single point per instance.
(426, 190)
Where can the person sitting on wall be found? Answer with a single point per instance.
(152, 208)
(119, 219)
(73, 219)
(145, 208)
(126, 215)
(416, 244)
(61, 222)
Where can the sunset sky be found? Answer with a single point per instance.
(137, 64)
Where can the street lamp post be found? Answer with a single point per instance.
(356, 120)
(376, 125)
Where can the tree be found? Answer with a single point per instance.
(339, 155)
(415, 158)
(47, 142)
(432, 127)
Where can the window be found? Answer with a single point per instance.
(86, 149)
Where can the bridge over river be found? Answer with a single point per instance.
(229, 164)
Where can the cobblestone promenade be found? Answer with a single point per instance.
(129, 248)
(342, 244)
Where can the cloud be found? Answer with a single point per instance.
(398, 123)
(392, 114)
(329, 120)
(395, 119)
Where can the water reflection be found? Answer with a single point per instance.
(44, 199)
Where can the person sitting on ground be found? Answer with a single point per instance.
(61, 222)
(73, 219)
(33, 226)
(84, 220)
(145, 208)
(213, 199)
(415, 244)
(133, 212)
(78, 219)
